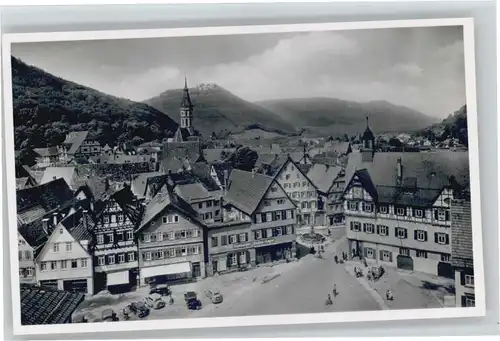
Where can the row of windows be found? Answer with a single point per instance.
(109, 238)
(209, 215)
(303, 195)
(26, 272)
(400, 232)
(115, 258)
(270, 202)
(68, 246)
(386, 255)
(422, 254)
(273, 216)
(25, 255)
(209, 204)
(296, 184)
(171, 235)
(439, 214)
(113, 218)
(233, 258)
(64, 264)
(273, 232)
(308, 204)
(172, 252)
(230, 239)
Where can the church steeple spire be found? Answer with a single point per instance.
(186, 110)
(368, 146)
(186, 98)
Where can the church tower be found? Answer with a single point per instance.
(186, 110)
(368, 147)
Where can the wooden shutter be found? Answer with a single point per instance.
(447, 215)
(425, 235)
(381, 255)
(395, 232)
(237, 238)
(390, 256)
(447, 241)
(415, 235)
(365, 252)
(436, 214)
(364, 227)
(463, 301)
(462, 279)
(246, 236)
(406, 233)
(378, 229)
(352, 225)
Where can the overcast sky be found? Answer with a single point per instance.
(422, 68)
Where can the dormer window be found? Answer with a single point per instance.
(383, 209)
(400, 211)
(367, 207)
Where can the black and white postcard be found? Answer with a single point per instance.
(239, 176)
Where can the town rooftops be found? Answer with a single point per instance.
(53, 173)
(43, 306)
(195, 192)
(75, 140)
(423, 175)
(223, 171)
(322, 176)
(79, 224)
(48, 196)
(247, 189)
(140, 181)
(214, 155)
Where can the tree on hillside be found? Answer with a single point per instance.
(244, 158)
(26, 156)
(395, 142)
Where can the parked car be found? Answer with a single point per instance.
(108, 315)
(162, 289)
(192, 301)
(80, 319)
(126, 312)
(154, 301)
(214, 295)
(139, 308)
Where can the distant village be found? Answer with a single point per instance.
(93, 218)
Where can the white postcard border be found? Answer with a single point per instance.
(262, 320)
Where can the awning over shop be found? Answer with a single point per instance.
(169, 269)
(117, 278)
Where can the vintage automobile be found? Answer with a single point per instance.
(377, 272)
(79, 319)
(126, 312)
(154, 301)
(108, 315)
(214, 295)
(139, 308)
(162, 289)
(192, 301)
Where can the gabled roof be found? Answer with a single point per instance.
(41, 306)
(428, 174)
(49, 195)
(222, 168)
(182, 134)
(75, 139)
(75, 225)
(247, 189)
(162, 200)
(140, 181)
(50, 151)
(195, 192)
(53, 173)
(322, 176)
(33, 233)
(128, 203)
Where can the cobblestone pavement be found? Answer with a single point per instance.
(296, 287)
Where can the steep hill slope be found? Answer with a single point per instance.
(333, 116)
(46, 107)
(218, 110)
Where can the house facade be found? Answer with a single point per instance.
(65, 261)
(301, 190)
(78, 144)
(26, 256)
(170, 241)
(115, 251)
(461, 252)
(397, 207)
(260, 200)
(206, 203)
(334, 205)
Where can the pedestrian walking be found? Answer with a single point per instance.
(335, 293)
(336, 259)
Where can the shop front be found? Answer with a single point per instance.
(169, 273)
(277, 252)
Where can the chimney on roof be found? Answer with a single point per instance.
(84, 218)
(45, 225)
(400, 171)
(54, 218)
